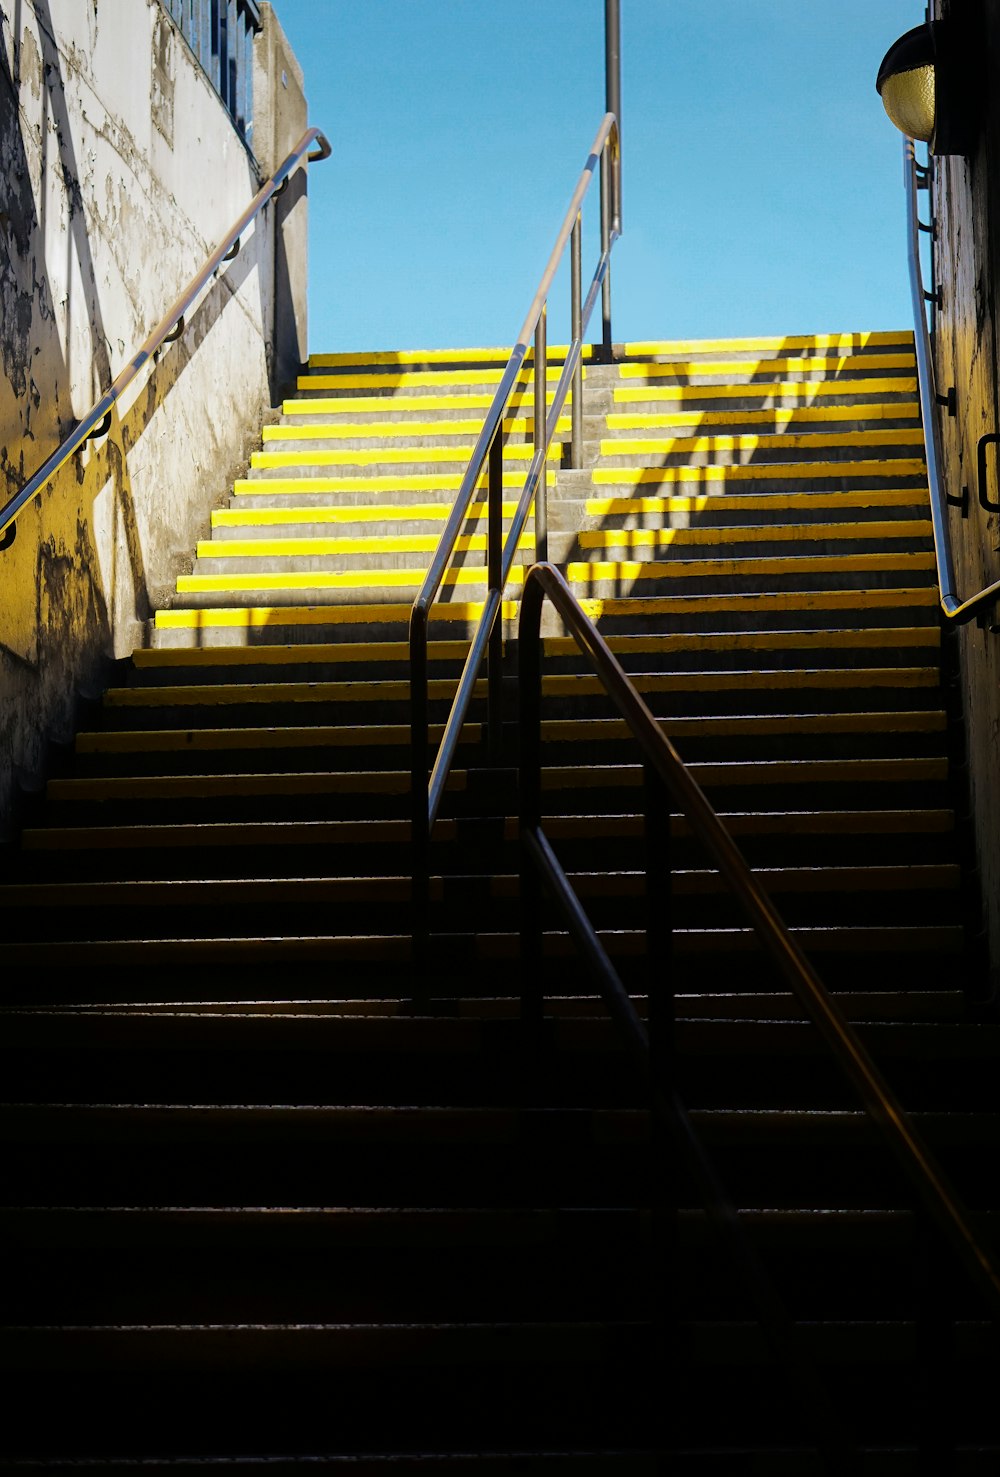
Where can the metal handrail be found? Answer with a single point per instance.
(916, 1160)
(427, 793)
(953, 608)
(97, 421)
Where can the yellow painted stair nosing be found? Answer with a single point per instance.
(522, 395)
(784, 418)
(895, 385)
(895, 468)
(352, 513)
(252, 617)
(406, 543)
(872, 497)
(402, 482)
(842, 364)
(404, 377)
(855, 339)
(346, 579)
(910, 528)
(640, 446)
(361, 430)
(402, 454)
(493, 354)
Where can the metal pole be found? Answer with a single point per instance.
(494, 553)
(576, 320)
(612, 104)
(541, 490)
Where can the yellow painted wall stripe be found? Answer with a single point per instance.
(760, 471)
(742, 568)
(688, 445)
(398, 429)
(278, 548)
(875, 497)
(780, 419)
(800, 389)
(844, 364)
(765, 533)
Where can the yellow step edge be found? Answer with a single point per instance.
(253, 617)
(801, 389)
(399, 429)
(783, 600)
(378, 456)
(231, 694)
(562, 730)
(756, 771)
(364, 404)
(287, 548)
(214, 740)
(780, 419)
(780, 678)
(737, 568)
(346, 579)
(675, 641)
(844, 364)
(582, 685)
(840, 341)
(760, 471)
(307, 653)
(656, 538)
(381, 357)
(874, 497)
(654, 446)
(406, 377)
(211, 786)
(403, 482)
(804, 822)
(355, 513)
(216, 833)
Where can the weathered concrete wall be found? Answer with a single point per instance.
(122, 171)
(966, 255)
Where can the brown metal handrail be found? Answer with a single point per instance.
(953, 608)
(670, 773)
(427, 792)
(97, 420)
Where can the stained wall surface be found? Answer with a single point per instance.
(966, 256)
(122, 172)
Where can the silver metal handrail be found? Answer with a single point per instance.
(427, 793)
(952, 606)
(97, 420)
(936, 1193)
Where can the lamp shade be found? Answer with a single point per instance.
(906, 83)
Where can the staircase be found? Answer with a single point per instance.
(272, 1196)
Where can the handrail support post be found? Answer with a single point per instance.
(576, 333)
(541, 488)
(494, 554)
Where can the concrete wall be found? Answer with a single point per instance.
(966, 254)
(123, 171)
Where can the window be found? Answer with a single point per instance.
(220, 33)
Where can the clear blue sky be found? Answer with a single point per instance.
(762, 181)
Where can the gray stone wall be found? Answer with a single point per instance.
(966, 253)
(122, 171)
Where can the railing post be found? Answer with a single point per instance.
(606, 210)
(541, 489)
(419, 767)
(494, 554)
(576, 333)
(530, 799)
